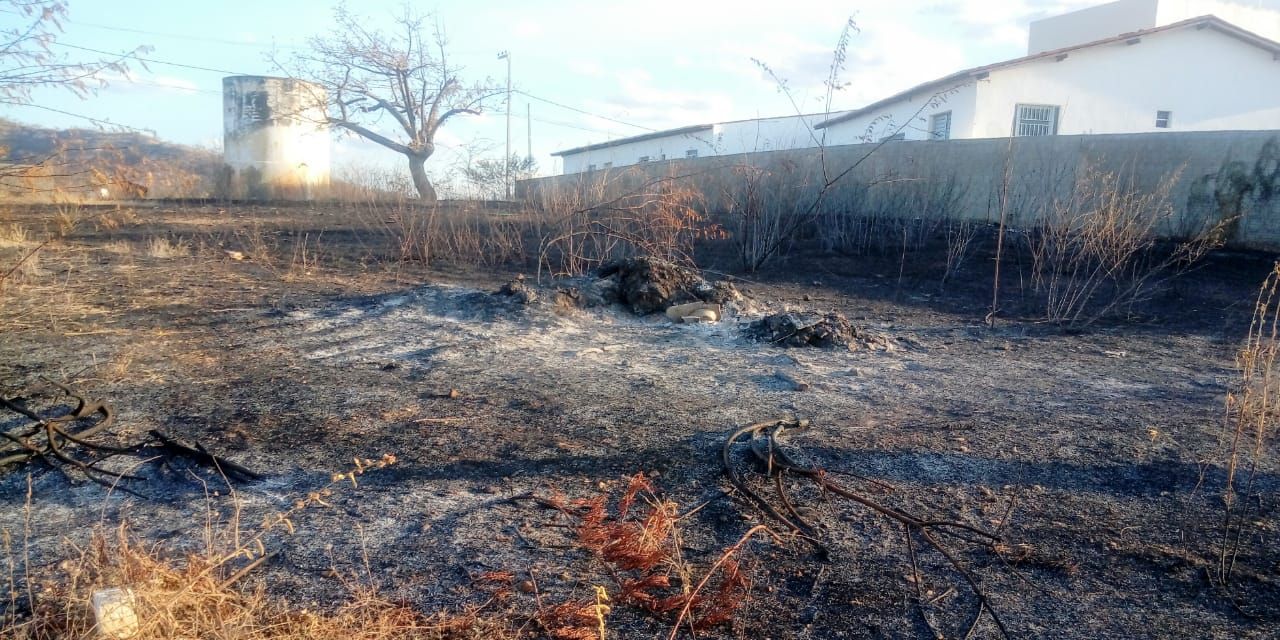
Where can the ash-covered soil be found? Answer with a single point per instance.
(1090, 453)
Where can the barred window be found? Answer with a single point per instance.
(1036, 120)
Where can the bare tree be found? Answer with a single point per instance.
(28, 61)
(489, 175)
(404, 75)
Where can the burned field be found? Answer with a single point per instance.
(920, 473)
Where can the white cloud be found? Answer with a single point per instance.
(637, 98)
(134, 80)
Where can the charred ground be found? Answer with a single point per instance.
(1091, 452)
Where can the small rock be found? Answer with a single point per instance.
(796, 383)
(526, 586)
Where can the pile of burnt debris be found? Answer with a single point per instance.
(646, 286)
(813, 329)
(641, 285)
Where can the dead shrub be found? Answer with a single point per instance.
(768, 209)
(1252, 408)
(581, 227)
(637, 539)
(1097, 251)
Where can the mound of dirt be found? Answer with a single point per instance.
(813, 329)
(519, 291)
(650, 285)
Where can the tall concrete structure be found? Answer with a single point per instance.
(275, 139)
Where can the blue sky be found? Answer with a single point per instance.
(657, 64)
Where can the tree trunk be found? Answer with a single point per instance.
(421, 182)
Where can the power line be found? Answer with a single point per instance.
(139, 58)
(185, 36)
(584, 112)
(105, 123)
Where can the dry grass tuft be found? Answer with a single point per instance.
(202, 595)
(121, 247)
(13, 235)
(190, 599)
(163, 248)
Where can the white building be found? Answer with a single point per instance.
(697, 141)
(1126, 67)
(1198, 74)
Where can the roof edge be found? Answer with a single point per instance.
(631, 139)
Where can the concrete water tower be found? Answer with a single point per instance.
(275, 141)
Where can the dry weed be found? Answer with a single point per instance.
(13, 235)
(1097, 251)
(163, 248)
(639, 543)
(1252, 408)
(201, 595)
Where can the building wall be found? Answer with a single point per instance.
(1214, 176)
(1114, 18)
(744, 136)
(1092, 24)
(915, 112)
(623, 155)
(1208, 80)
(769, 134)
(275, 142)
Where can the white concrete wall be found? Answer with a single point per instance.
(1092, 24)
(875, 125)
(1209, 81)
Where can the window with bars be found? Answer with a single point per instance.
(692, 153)
(644, 158)
(1036, 120)
(1164, 119)
(940, 126)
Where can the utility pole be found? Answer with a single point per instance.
(506, 160)
(528, 121)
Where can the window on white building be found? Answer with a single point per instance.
(1164, 119)
(692, 153)
(644, 158)
(940, 126)
(591, 167)
(897, 136)
(608, 165)
(1036, 120)
(662, 157)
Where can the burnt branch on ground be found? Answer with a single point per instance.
(764, 440)
(66, 443)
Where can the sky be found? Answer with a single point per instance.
(591, 66)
